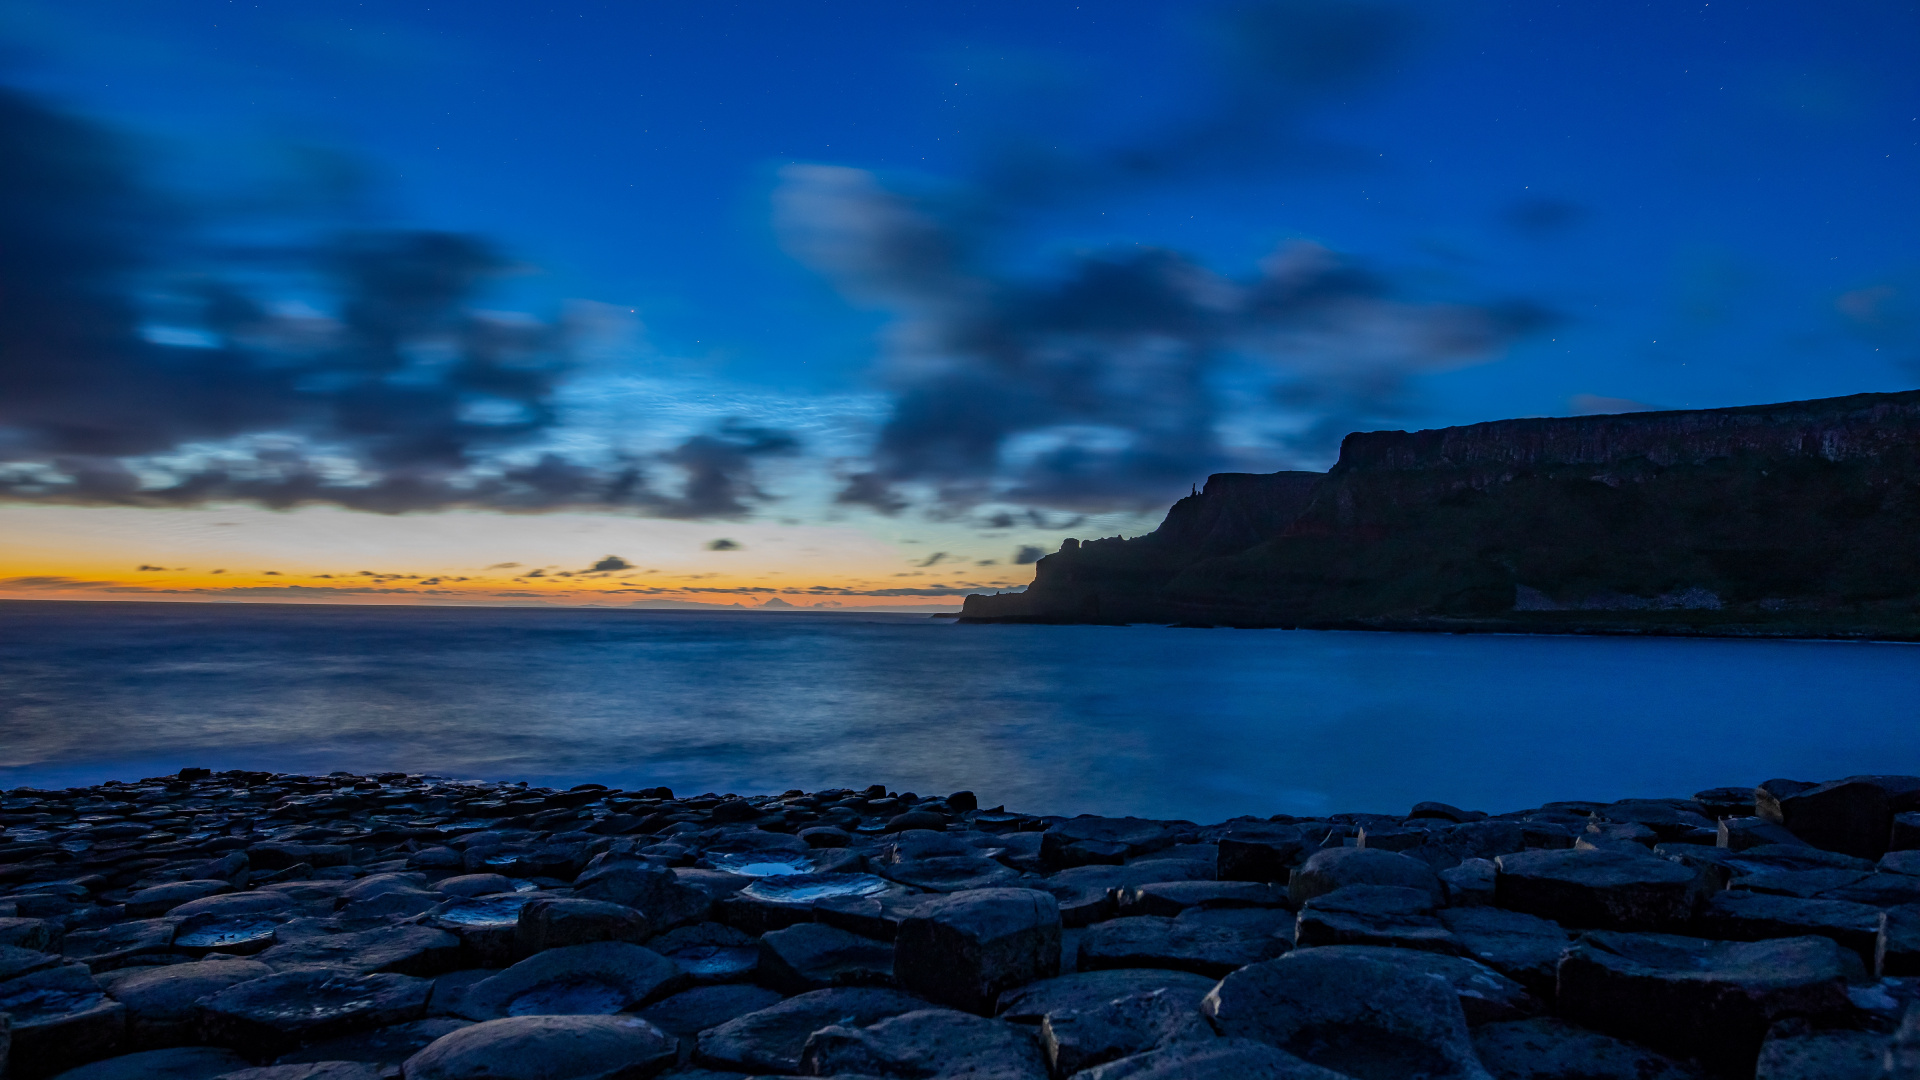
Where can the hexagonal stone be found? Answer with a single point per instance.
(1030, 1004)
(1148, 941)
(597, 979)
(1853, 815)
(377, 1046)
(1694, 997)
(1547, 1049)
(270, 1016)
(810, 956)
(1352, 1014)
(1797, 1051)
(160, 899)
(121, 943)
(1739, 915)
(1524, 948)
(1599, 889)
(926, 1042)
(160, 1001)
(1374, 915)
(1896, 947)
(1240, 1059)
(1485, 995)
(1335, 868)
(320, 1070)
(1076, 1039)
(179, 1063)
(1170, 898)
(406, 950)
(967, 948)
(658, 893)
(690, 1012)
(771, 1039)
(61, 1018)
(39, 935)
(547, 1048)
(551, 923)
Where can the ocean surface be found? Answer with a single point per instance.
(1160, 722)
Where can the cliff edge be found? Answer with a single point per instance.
(1800, 519)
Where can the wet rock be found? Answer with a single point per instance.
(387, 1046)
(775, 903)
(487, 926)
(161, 899)
(269, 1016)
(474, 885)
(1032, 1003)
(259, 902)
(39, 935)
(1149, 941)
(1599, 889)
(1738, 915)
(121, 944)
(825, 836)
(931, 1043)
(917, 819)
(771, 1039)
(876, 917)
(1897, 942)
(1170, 898)
(810, 956)
(406, 950)
(952, 873)
(597, 979)
(552, 923)
(966, 949)
(272, 856)
(1076, 1039)
(710, 952)
(1374, 915)
(1796, 1051)
(1241, 1059)
(60, 1018)
(17, 962)
(179, 1063)
(547, 1048)
(690, 1012)
(232, 935)
(1549, 1049)
(1524, 948)
(658, 893)
(1353, 1014)
(1336, 868)
(1697, 998)
(160, 1001)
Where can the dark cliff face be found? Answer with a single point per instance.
(1758, 515)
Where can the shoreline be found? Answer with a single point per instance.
(423, 926)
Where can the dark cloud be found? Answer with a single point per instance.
(611, 562)
(144, 566)
(1097, 387)
(133, 373)
(722, 544)
(934, 559)
(1028, 554)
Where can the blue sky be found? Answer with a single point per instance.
(1614, 205)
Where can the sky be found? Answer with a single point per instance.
(869, 304)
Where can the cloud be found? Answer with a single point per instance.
(722, 544)
(1028, 554)
(144, 566)
(611, 562)
(1596, 405)
(135, 372)
(504, 566)
(1096, 386)
(49, 582)
(934, 559)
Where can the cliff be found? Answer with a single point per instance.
(1800, 518)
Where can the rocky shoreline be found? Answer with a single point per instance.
(257, 926)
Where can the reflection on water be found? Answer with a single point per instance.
(1200, 724)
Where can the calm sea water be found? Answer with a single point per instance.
(1197, 724)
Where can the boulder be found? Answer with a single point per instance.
(1336, 868)
(1599, 889)
(1739, 915)
(547, 1048)
(1524, 948)
(1448, 847)
(1076, 1039)
(599, 978)
(926, 1043)
(1698, 998)
(1547, 1049)
(1350, 1013)
(178, 1063)
(160, 1001)
(966, 949)
(258, 902)
(1374, 915)
(809, 956)
(551, 923)
(1240, 1059)
(771, 1039)
(406, 950)
(1148, 941)
(1082, 990)
(265, 1017)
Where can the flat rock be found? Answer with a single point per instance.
(318, 1070)
(1524, 948)
(601, 978)
(662, 895)
(270, 1016)
(1793, 1052)
(929, 1043)
(256, 902)
(406, 950)
(771, 1039)
(1089, 989)
(381, 1046)
(1738, 915)
(1852, 815)
(1485, 995)
(474, 885)
(1336, 868)
(121, 943)
(710, 952)
(1374, 915)
(1148, 941)
(1076, 1039)
(40, 935)
(551, 923)
(951, 873)
(1599, 889)
(1086, 894)
(547, 1048)
(178, 1063)
(1353, 1014)
(810, 956)
(1471, 883)
(1170, 898)
(966, 949)
(60, 1018)
(160, 1001)
(1547, 1049)
(1878, 890)
(160, 899)
(691, 1012)
(1698, 998)
(1239, 1059)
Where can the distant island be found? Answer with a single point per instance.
(1793, 520)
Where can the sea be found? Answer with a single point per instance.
(1195, 724)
